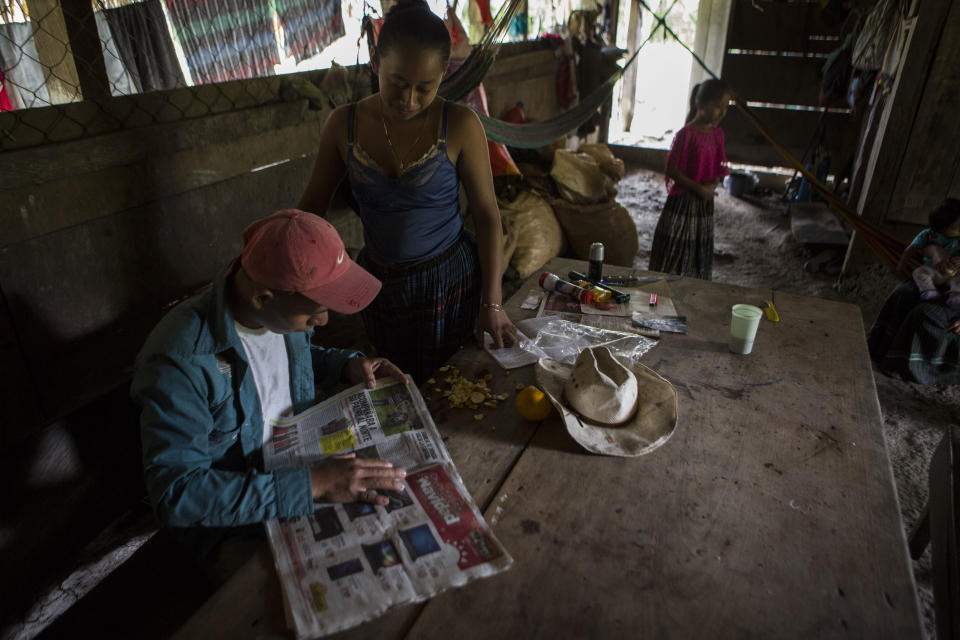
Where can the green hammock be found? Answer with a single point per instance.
(475, 67)
(538, 134)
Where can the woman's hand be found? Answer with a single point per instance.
(498, 325)
(955, 326)
(348, 478)
(945, 267)
(367, 370)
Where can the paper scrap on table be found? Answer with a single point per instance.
(532, 301)
(510, 357)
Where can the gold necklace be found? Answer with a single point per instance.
(390, 142)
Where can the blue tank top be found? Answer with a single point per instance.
(414, 216)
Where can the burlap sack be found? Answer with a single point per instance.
(609, 163)
(579, 178)
(607, 222)
(536, 231)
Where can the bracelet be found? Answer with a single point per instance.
(492, 305)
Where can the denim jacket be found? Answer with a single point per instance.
(201, 423)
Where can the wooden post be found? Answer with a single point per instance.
(629, 92)
(87, 50)
(53, 48)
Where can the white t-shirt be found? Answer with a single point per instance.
(267, 355)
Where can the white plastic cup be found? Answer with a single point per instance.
(744, 319)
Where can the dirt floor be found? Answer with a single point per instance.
(754, 247)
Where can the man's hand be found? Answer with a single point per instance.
(348, 478)
(367, 370)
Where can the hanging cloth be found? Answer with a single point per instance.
(475, 67)
(309, 25)
(140, 33)
(538, 134)
(5, 103)
(225, 39)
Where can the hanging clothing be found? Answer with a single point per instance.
(309, 25)
(140, 33)
(225, 39)
(500, 161)
(5, 103)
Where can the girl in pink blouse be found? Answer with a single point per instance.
(683, 240)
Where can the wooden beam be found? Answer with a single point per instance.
(781, 26)
(776, 79)
(86, 47)
(628, 92)
(53, 48)
(793, 129)
(101, 176)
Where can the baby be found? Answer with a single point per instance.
(940, 246)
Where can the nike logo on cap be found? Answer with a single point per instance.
(340, 259)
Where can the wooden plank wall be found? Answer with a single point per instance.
(530, 78)
(930, 168)
(775, 52)
(137, 203)
(100, 234)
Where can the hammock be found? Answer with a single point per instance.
(538, 134)
(475, 67)
(886, 246)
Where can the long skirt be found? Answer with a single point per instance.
(425, 310)
(683, 240)
(910, 339)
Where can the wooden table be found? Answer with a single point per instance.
(771, 512)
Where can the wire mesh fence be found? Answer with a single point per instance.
(70, 68)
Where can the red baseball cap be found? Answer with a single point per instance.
(297, 251)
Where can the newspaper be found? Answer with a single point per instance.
(348, 563)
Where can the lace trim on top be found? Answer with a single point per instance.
(364, 158)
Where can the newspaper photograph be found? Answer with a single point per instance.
(349, 563)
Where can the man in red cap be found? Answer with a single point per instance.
(221, 366)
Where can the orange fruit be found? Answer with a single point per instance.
(533, 404)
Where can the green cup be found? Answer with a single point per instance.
(744, 319)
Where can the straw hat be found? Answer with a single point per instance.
(610, 405)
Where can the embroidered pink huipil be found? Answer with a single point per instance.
(698, 154)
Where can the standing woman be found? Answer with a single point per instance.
(405, 152)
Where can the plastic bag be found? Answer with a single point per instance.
(562, 340)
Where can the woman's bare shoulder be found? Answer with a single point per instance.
(463, 123)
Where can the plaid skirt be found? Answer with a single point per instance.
(910, 340)
(683, 239)
(426, 310)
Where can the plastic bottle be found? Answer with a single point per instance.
(595, 271)
(553, 282)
